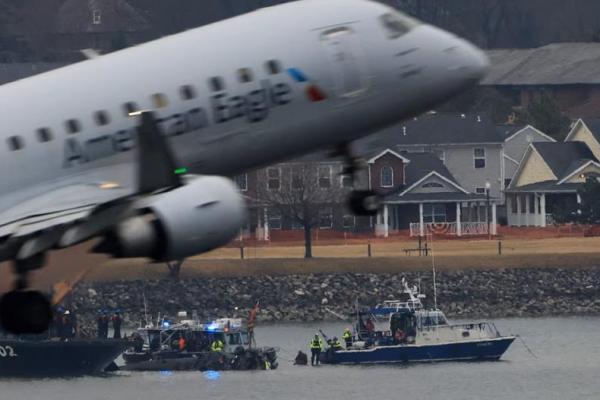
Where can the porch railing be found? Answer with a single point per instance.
(449, 228)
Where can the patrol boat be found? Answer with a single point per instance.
(159, 347)
(412, 333)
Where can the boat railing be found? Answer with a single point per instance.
(488, 327)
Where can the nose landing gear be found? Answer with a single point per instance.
(360, 202)
(25, 311)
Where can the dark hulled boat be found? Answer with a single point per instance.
(54, 358)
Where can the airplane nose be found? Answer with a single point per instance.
(471, 63)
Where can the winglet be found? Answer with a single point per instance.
(156, 164)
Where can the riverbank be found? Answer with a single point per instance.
(471, 293)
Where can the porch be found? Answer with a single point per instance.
(455, 214)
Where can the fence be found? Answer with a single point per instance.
(449, 228)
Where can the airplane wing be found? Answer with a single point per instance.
(78, 208)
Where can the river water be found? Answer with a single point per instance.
(566, 366)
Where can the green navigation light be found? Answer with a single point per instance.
(181, 171)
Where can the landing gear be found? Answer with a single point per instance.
(25, 311)
(360, 202)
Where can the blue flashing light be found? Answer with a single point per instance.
(166, 324)
(211, 375)
(212, 327)
(166, 372)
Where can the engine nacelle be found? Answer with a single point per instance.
(204, 214)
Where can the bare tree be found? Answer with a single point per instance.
(303, 195)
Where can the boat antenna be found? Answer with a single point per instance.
(434, 280)
(145, 307)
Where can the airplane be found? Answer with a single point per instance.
(135, 147)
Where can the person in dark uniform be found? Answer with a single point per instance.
(116, 320)
(99, 325)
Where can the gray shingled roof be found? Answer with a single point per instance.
(507, 131)
(421, 164)
(555, 64)
(435, 129)
(435, 197)
(547, 186)
(594, 126)
(562, 156)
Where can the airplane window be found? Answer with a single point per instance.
(44, 135)
(397, 24)
(216, 84)
(187, 92)
(273, 67)
(102, 118)
(130, 107)
(15, 143)
(245, 75)
(159, 100)
(73, 126)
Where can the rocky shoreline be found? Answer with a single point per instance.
(303, 298)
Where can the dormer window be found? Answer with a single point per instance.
(387, 177)
(96, 17)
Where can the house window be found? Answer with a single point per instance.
(387, 176)
(73, 126)
(44, 135)
(187, 92)
(479, 157)
(15, 143)
(434, 213)
(347, 181)
(480, 190)
(513, 205)
(432, 185)
(296, 183)
(274, 219)
(297, 224)
(441, 154)
(507, 182)
(242, 182)
(273, 178)
(324, 177)
(96, 17)
(326, 218)
(159, 100)
(101, 118)
(245, 75)
(216, 84)
(273, 67)
(349, 221)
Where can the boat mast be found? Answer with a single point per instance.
(433, 268)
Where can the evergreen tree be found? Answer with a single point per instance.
(545, 115)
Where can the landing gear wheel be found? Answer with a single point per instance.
(25, 312)
(364, 202)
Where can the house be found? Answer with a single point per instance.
(430, 200)
(468, 145)
(548, 180)
(516, 143)
(568, 72)
(586, 130)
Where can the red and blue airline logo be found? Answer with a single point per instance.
(312, 90)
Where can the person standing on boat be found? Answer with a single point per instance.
(117, 326)
(316, 345)
(217, 346)
(347, 336)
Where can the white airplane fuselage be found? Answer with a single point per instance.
(289, 79)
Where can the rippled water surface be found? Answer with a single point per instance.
(567, 367)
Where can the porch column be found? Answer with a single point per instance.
(494, 225)
(259, 228)
(421, 223)
(386, 219)
(519, 211)
(543, 209)
(537, 221)
(509, 216)
(458, 220)
(527, 208)
(266, 225)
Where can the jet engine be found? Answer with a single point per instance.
(202, 215)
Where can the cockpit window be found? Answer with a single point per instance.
(397, 24)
